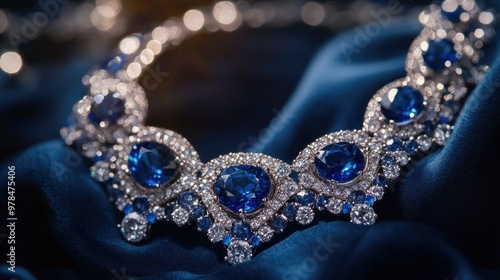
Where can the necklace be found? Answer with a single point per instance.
(244, 199)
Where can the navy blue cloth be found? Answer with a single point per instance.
(440, 222)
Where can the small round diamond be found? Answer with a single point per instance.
(265, 233)
(134, 227)
(238, 252)
(180, 216)
(152, 164)
(109, 108)
(377, 192)
(363, 214)
(241, 230)
(424, 142)
(334, 206)
(305, 215)
(440, 54)
(402, 104)
(242, 187)
(290, 187)
(216, 233)
(341, 162)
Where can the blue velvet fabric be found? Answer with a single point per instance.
(440, 222)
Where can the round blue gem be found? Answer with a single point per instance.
(453, 16)
(204, 224)
(109, 108)
(394, 144)
(357, 197)
(226, 240)
(186, 199)
(443, 120)
(346, 208)
(197, 211)
(341, 162)
(320, 202)
(402, 104)
(152, 164)
(370, 200)
(440, 52)
(140, 204)
(289, 211)
(255, 241)
(241, 230)
(278, 224)
(242, 187)
(388, 160)
(411, 147)
(305, 197)
(151, 217)
(381, 181)
(127, 209)
(169, 209)
(429, 128)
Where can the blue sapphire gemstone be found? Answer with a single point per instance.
(411, 147)
(320, 202)
(242, 187)
(140, 204)
(443, 120)
(394, 144)
(255, 241)
(304, 197)
(169, 209)
(439, 53)
(341, 162)
(151, 217)
(186, 199)
(204, 224)
(278, 224)
(429, 128)
(109, 108)
(402, 104)
(289, 211)
(357, 197)
(370, 200)
(226, 240)
(453, 16)
(346, 208)
(241, 230)
(197, 211)
(128, 209)
(381, 181)
(152, 164)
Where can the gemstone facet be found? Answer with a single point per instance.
(238, 252)
(152, 164)
(402, 104)
(109, 108)
(341, 162)
(242, 187)
(134, 227)
(440, 54)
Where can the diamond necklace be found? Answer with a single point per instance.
(244, 199)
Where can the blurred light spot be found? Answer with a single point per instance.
(160, 34)
(450, 6)
(154, 46)
(194, 20)
(4, 21)
(225, 12)
(134, 70)
(100, 22)
(11, 62)
(313, 13)
(255, 18)
(147, 56)
(108, 8)
(130, 45)
(479, 33)
(486, 18)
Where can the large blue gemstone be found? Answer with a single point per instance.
(152, 164)
(340, 162)
(242, 187)
(439, 53)
(109, 108)
(402, 104)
